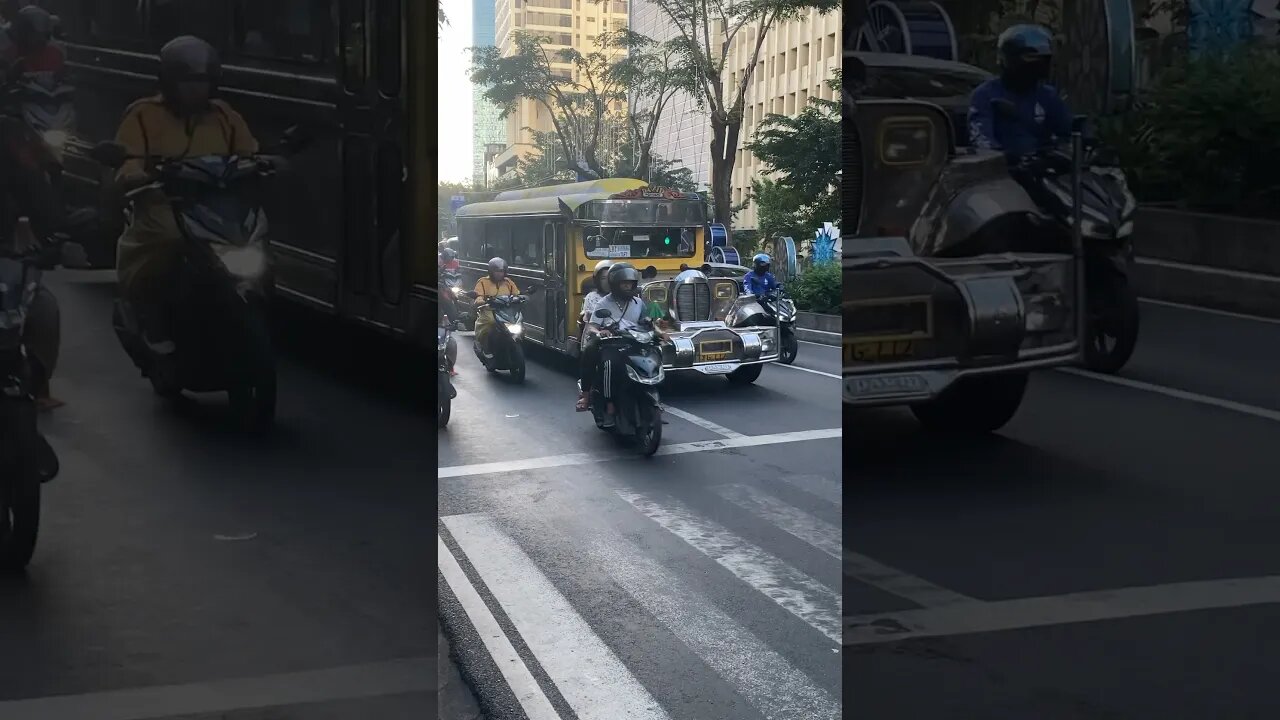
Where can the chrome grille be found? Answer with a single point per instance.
(693, 302)
(853, 175)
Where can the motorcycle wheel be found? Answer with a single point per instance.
(790, 349)
(1113, 325)
(746, 374)
(19, 492)
(444, 403)
(648, 428)
(517, 363)
(974, 407)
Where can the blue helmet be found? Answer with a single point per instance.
(762, 261)
(1026, 52)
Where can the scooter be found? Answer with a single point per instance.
(504, 348)
(638, 409)
(445, 391)
(221, 337)
(779, 306)
(466, 313)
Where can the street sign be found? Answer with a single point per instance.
(456, 202)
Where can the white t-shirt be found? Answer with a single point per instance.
(590, 303)
(632, 312)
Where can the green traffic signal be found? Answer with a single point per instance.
(666, 240)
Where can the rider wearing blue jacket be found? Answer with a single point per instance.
(760, 281)
(1039, 115)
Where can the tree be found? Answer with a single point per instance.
(580, 105)
(802, 153)
(547, 166)
(706, 31)
(441, 18)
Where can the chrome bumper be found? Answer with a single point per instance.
(717, 349)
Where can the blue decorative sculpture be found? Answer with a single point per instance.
(824, 244)
(1218, 26)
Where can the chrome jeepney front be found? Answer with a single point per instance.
(914, 326)
(694, 312)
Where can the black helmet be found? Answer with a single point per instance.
(620, 273)
(1026, 53)
(188, 58)
(497, 265)
(601, 276)
(33, 25)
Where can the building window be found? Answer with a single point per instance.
(831, 45)
(791, 59)
(804, 55)
(548, 19)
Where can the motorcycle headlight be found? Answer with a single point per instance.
(514, 328)
(631, 373)
(456, 290)
(642, 336)
(244, 262)
(56, 139)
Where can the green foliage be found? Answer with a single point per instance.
(1205, 135)
(818, 289)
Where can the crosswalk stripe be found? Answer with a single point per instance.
(792, 520)
(530, 696)
(588, 674)
(818, 486)
(795, 592)
(758, 673)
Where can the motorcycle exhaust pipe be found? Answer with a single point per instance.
(1077, 229)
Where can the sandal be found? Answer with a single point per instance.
(582, 403)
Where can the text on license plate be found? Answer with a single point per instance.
(713, 350)
(717, 368)
(878, 350)
(885, 385)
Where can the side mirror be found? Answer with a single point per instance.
(649, 272)
(109, 154)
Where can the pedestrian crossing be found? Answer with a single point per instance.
(718, 587)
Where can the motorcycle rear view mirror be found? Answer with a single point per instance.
(73, 256)
(109, 154)
(649, 272)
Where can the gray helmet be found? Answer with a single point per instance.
(497, 265)
(32, 24)
(188, 58)
(620, 273)
(601, 276)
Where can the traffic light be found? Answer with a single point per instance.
(666, 240)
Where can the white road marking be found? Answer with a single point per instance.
(701, 422)
(552, 461)
(393, 677)
(984, 617)
(808, 370)
(824, 332)
(595, 683)
(810, 342)
(1208, 270)
(1255, 411)
(822, 487)
(795, 592)
(769, 683)
(532, 699)
(1212, 311)
(896, 582)
(795, 522)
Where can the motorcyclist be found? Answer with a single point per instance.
(492, 285)
(449, 260)
(447, 315)
(587, 359)
(624, 307)
(760, 281)
(31, 50)
(1037, 115)
(183, 121)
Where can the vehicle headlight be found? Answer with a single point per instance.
(1045, 312)
(906, 141)
(56, 139)
(456, 290)
(631, 373)
(514, 328)
(244, 262)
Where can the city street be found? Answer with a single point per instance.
(187, 570)
(1111, 554)
(580, 580)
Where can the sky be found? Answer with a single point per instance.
(454, 98)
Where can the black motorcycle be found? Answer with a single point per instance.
(782, 309)
(638, 409)
(452, 282)
(445, 391)
(219, 326)
(503, 348)
(27, 460)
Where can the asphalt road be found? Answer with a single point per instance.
(578, 580)
(185, 570)
(1111, 554)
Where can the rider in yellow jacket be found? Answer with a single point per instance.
(494, 284)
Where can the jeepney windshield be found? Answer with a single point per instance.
(646, 211)
(640, 242)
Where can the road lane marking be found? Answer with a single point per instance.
(595, 683)
(1212, 311)
(985, 617)
(553, 461)
(808, 370)
(792, 590)
(701, 422)
(896, 582)
(1209, 270)
(393, 677)
(770, 683)
(1258, 412)
(528, 693)
(795, 522)
(810, 342)
(817, 485)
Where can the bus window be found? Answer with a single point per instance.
(389, 48)
(351, 35)
(526, 245)
(171, 18)
(471, 239)
(289, 30)
(497, 240)
(113, 23)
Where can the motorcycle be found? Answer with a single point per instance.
(445, 391)
(505, 350)
(27, 460)
(638, 409)
(453, 284)
(782, 310)
(220, 332)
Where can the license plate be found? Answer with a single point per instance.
(885, 385)
(717, 368)
(878, 351)
(715, 350)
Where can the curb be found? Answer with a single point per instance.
(818, 328)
